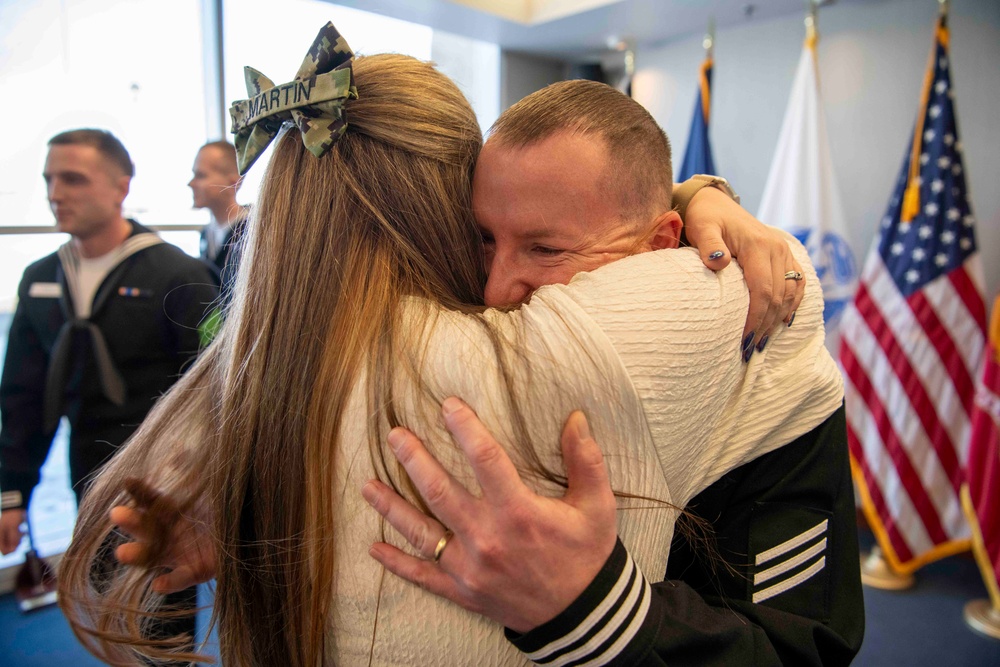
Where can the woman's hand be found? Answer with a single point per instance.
(716, 224)
(188, 550)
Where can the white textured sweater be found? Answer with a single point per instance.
(649, 348)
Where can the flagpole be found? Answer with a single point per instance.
(911, 196)
(811, 20)
(709, 62)
(812, 33)
(709, 41)
(698, 154)
(801, 194)
(630, 62)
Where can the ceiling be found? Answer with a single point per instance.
(577, 29)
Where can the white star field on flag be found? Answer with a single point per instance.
(944, 225)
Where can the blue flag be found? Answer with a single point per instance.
(698, 156)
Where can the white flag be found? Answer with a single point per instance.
(801, 194)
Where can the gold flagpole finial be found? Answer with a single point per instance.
(911, 196)
(709, 42)
(627, 47)
(812, 36)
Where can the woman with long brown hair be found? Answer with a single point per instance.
(357, 308)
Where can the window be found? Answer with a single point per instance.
(137, 69)
(133, 68)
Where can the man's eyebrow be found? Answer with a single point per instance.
(62, 172)
(542, 231)
(529, 235)
(539, 233)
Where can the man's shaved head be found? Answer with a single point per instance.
(639, 168)
(226, 153)
(215, 178)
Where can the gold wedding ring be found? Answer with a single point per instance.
(442, 543)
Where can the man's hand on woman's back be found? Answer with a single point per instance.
(514, 556)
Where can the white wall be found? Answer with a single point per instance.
(475, 66)
(872, 60)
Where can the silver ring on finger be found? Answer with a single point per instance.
(793, 275)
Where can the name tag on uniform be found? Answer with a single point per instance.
(135, 292)
(45, 290)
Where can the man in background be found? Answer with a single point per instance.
(213, 186)
(103, 327)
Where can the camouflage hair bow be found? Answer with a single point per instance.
(313, 101)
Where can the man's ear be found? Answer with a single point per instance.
(666, 231)
(123, 183)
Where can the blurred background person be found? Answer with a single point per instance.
(214, 185)
(103, 327)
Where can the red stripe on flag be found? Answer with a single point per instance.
(898, 544)
(896, 540)
(940, 337)
(908, 475)
(911, 383)
(971, 297)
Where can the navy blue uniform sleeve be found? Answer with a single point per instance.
(24, 443)
(621, 620)
(612, 621)
(780, 584)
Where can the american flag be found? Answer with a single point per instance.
(913, 340)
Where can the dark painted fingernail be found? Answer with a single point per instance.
(761, 344)
(791, 319)
(748, 347)
(717, 254)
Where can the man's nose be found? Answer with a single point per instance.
(506, 284)
(54, 191)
